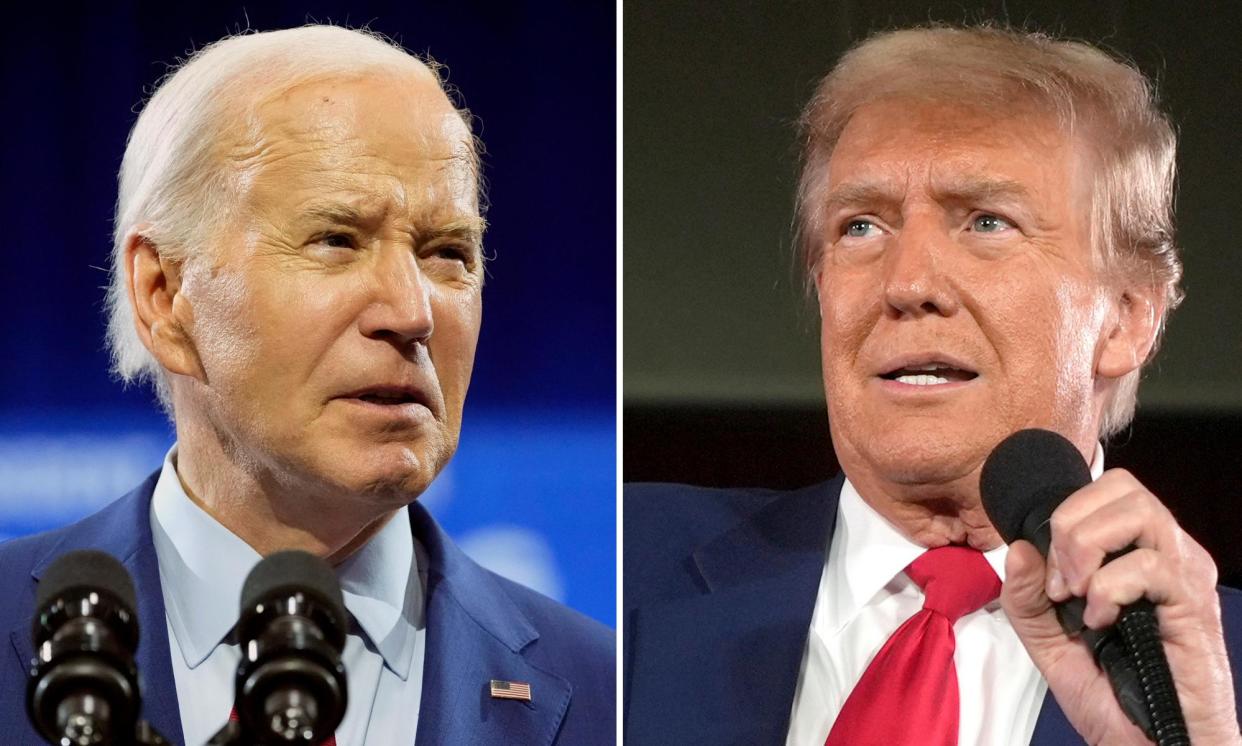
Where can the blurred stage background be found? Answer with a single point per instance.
(721, 369)
(531, 492)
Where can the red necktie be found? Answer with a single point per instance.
(908, 695)
(330, 742)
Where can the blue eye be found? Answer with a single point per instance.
(858, 228)
(989, 224)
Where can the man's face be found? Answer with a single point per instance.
(959, 297)
(336, 321)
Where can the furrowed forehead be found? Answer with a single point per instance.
(957, 188)
(399, 138)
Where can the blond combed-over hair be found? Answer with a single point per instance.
(172, 180)
(1091, 94)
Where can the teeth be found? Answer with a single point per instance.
(921, 380)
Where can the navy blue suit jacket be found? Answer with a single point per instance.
(719, 590)
(479, 627)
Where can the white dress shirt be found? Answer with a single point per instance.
(865, 595)
(202, 568)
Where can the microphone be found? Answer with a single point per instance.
(290, 686)
(1023, 481)
(83, 686)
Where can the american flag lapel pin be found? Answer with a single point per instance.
(510, 690)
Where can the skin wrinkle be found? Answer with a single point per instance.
(260, 141)
(1026, 308)
(282, 323)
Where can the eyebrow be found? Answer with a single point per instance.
(469, 227)
(338, 212)
(859, 194)
(964, 190)
(466, 226)
(980, 190)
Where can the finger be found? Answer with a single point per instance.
(1111, 485)
(1138, 574)
(1055, 586)
(1137, 518)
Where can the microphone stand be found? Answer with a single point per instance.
(146, 735)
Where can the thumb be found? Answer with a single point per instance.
(1023, 594)
(1065, 663)
(1027, 605)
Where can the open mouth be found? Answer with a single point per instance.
(929, 374)
(389, 396)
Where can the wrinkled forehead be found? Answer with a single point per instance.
(978, 152)
(391, 132)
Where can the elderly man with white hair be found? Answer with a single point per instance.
(298, 270)
(986, 220)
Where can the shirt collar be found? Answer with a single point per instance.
(868, 552)
(203, 566)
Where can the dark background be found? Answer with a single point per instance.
(722, 381)
(539, 77)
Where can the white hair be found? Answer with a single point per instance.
(172, 181)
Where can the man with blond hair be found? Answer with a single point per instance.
(298, 270)
(985, 220)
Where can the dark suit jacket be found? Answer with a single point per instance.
(479, 627)
(719, 590)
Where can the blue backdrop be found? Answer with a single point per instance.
(531, 491)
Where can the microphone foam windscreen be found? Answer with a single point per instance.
(83, 569)
(1030, 469)
(292, 570)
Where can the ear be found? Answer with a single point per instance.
(161, 312)
(1133, 332)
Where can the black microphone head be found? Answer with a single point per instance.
(83, 677)
(1031, 470)
(292, 571)
(290, 682)
(86, 569)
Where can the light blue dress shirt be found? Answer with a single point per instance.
(202, 568)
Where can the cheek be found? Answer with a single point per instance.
(1083, 316)
(1047, 334)
(457, 321)
(847, 314)
(264, 329)
(225, 327)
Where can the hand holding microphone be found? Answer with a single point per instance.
(1085, 536)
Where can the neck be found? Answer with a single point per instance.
(270, 513)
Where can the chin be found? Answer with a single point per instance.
(924, 454)
(388, 473)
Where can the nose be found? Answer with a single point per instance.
(400, 307)
(914, 282)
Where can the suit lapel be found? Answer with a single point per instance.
(1052, 728)
(721, 667)
(475, 634)
(123, 530)
(159, 689)
(20, 638)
